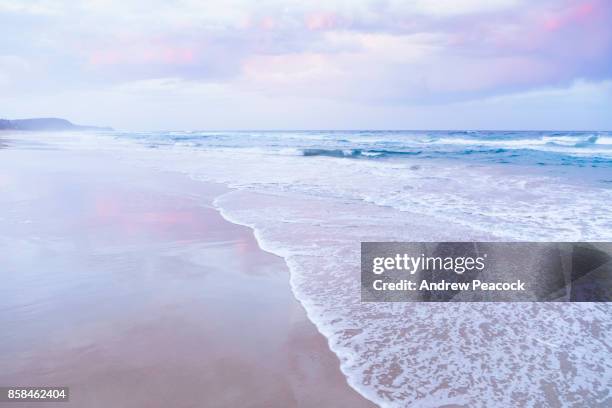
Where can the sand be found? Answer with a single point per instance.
(125, 285)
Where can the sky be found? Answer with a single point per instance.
(318, 64)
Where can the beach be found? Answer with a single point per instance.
(126, 285)
(163, 268)
(306, 204)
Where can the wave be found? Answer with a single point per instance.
(524, 148)
(332, 152)
(565, 141)
(604, 140)
(356, 153)
(570, 141)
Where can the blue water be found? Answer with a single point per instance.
(554, 152)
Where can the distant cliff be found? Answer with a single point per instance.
(54, 124)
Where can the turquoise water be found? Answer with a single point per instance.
(585, 156)
(580, 149)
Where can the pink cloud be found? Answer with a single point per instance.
(321, 21)
(267, 23)
(577, 14)
(549, 43)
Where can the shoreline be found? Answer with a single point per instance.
(131, 284)
(389, 353)
(371, 398)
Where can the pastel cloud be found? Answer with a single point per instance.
(414, 52)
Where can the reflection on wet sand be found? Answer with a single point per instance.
(131, 290)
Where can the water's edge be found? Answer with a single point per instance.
(367, 394)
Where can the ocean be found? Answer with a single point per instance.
(517, 185)
(311, 197)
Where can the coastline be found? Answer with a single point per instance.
(137, 289)
(301, 210)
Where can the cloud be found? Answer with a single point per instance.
(11, 66)
(369, 52)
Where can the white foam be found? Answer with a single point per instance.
(569, 145)
(604, 140)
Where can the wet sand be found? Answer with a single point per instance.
(125, 285)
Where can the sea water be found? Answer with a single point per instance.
(312, 197)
